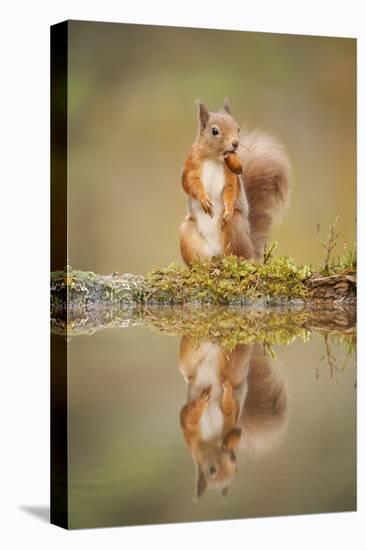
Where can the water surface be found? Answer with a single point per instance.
(131, 460)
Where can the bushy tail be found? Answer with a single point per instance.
(266, 176)
(264, 418)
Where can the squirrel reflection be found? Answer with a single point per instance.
(236, 401)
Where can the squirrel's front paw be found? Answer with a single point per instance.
(206, 393)
(226, 217)
(207, 206)
(226, 385)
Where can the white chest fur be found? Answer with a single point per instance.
(208, 374)
(213, 179)
(212, 421)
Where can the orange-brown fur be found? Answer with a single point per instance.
(250, 202)
(253, 403)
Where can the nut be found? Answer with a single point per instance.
(233, 163)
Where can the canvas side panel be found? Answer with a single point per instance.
(59, 470)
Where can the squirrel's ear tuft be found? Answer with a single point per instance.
(227, 107)
(225, 491)
(201, 483)
(202, 114)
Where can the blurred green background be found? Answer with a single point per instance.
(132, 121)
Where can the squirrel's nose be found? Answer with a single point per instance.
(235, 143)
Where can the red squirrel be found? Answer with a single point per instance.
(237, 186)
(236, 401)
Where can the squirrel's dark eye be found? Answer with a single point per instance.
(238, 130)
(212, 470)
(215, 131)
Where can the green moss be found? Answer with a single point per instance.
(228, 279)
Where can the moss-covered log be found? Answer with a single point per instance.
(226, 280)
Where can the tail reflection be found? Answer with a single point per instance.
(236, 400)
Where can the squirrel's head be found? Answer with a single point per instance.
(218, 133)
(216, 467)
